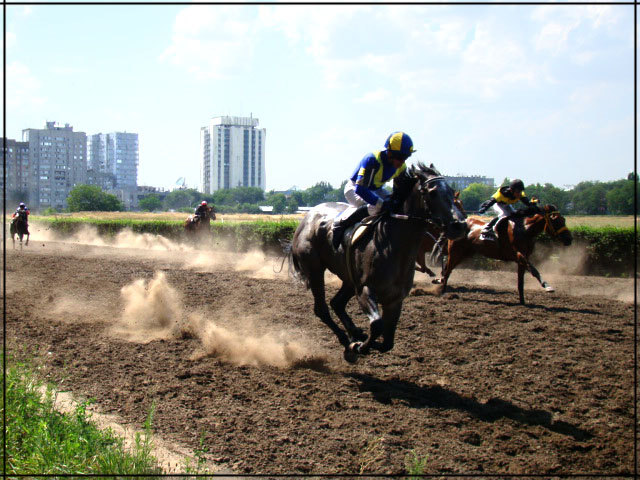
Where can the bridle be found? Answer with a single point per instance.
(548, 226)
(424, 185)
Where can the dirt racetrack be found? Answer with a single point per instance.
(234, 360)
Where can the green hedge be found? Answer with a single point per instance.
(609, 249)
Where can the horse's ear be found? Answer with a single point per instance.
(432, 166)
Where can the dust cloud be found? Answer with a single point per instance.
(77, 309)
(154, 310)
(570, 260)
(88, 235)
(240, 347)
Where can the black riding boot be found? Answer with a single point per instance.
(487, 232)
(343, 223)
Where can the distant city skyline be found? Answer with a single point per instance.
(539, 92)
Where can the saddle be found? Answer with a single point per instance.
(352, 235)
(501, 227)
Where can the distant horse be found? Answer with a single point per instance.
(379, 268)
(20, 228)
(194, 224)
(513, 244)
(430, 238)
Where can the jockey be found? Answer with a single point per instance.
(22, 211)
(202, 211)
(364, 190)
(502, 202)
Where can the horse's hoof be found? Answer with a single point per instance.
(436, 281)
(351, 353)
(549, 288)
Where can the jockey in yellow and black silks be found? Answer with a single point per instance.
(502, 202)
(364, 190)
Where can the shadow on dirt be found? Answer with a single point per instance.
(417, 396)
(515, 303)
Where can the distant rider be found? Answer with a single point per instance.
(202, 211)
(23, 212)
(502, 202)
(364, 190)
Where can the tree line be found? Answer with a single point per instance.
(586, 198)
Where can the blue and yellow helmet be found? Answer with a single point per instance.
(399, 142)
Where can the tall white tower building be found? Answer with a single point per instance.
(232, 150)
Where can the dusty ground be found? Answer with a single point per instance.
(234, 360)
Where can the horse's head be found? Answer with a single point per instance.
(432, 197)
(555, 225)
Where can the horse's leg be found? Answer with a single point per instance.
(522, 260)
(339, 303)
(320, 308)
(455, 255)
(369, 306)
(390, 317)
(27, 242)
(521, 269)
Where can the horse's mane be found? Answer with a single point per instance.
(421, 170)
(404, 182)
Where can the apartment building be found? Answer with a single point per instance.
(57, 161)
(460, 182)
(232, 152)
(113, 160)
(17, 170)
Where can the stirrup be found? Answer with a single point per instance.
(488, 236)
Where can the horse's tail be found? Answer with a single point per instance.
(293, 267)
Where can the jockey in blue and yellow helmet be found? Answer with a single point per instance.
(365, 186)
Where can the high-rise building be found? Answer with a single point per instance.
(460, 182)
(232, 150)
(113, 160)
(57, 163)
(17, 170)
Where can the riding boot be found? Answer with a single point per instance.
(342, 224)
(487, 232)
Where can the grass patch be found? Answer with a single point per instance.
(41, 440)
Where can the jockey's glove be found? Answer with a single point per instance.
(485, 205)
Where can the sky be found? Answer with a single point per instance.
(541, 93)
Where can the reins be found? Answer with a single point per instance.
(548, 227)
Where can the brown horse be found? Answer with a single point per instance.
(514, 243)
(194, 224)
(379, 268)
(429, 240)
(20, 228)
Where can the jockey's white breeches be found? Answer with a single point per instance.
(503, 210)
(356, 200)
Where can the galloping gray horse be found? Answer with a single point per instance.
(379, 268)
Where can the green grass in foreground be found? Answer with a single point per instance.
(41, 440)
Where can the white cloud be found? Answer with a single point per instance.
(571, 28)
(374, 96)
(23, 88)
(212, 42)
(11, 39)
(554, 36)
